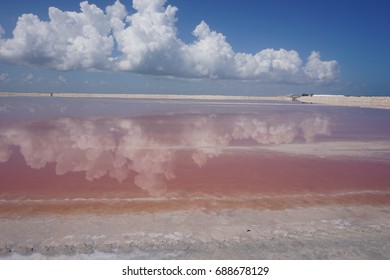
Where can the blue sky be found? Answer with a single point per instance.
(203, 47)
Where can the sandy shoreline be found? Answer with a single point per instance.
(379, 102)
(330, 232)
(148, 96)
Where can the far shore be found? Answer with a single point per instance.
(379, 102)
(148, 96)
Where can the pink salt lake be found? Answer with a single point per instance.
(68, 155)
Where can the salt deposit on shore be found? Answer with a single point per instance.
(328, 232)
(381, 102)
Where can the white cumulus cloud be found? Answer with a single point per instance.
(147, 42)
(317, 69)
(28, 78)
(61, 79)
(4, 77)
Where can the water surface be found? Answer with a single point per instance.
(66, 155)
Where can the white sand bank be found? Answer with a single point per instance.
(330, 232)
(380, 102)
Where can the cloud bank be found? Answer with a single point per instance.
(120, 148)
(146, 42)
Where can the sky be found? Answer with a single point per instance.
(196, 47)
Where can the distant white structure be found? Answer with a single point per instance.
(328, 95)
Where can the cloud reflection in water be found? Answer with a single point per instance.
(116, 147)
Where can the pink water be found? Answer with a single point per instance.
(60, 155)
